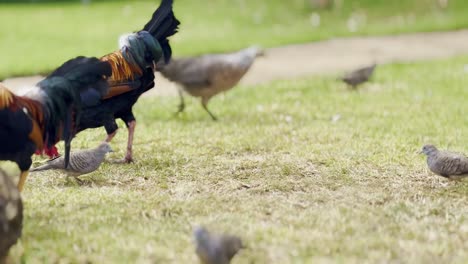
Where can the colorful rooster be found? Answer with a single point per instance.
(49, 113)
(132, 74)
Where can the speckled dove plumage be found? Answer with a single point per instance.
(215, 249)
(11, 215)
(446, 164)
(359, 76)
(81, 162)
(208, 75)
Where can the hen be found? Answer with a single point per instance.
(209, 75)
(48, 114)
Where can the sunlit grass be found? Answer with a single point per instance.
(297, 187)
(36, 38)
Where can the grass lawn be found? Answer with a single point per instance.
(36, 38)
(297, 187)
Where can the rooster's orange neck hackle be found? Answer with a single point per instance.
(122, 70)
(6, 98)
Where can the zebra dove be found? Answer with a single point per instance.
(11, 215)
(446, 164)
(359, 76)
(215, 249)
(81, 162)
(208, 75)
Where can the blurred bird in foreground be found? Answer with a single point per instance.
(11, 215)
(446, 164)
(215, 249)
(81, 162)
(132, 74)
(209, 75)
(49, 113)
(359, 76)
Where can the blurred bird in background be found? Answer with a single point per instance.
(48, 114)
(209, 75)
(132, 74)
(11, 215)
(215, 249)
(359, 76)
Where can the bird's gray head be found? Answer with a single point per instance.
(429, 149)
(255, 51)
(200, 234)
(105, 148)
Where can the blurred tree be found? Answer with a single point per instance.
(58, 1)
(322, 4)
(443, 3)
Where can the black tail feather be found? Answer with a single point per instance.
(162, 25)
(84, 71)
(68, 135)
(63, 102)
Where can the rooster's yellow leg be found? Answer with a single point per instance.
(110, 137)
(131, 131)
(22, 180)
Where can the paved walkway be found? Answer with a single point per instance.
(328, 57)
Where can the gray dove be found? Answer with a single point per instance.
(446, 164)
(359, 76)
(215, 249)
(11, 215)
(81, 162)
(209, 75)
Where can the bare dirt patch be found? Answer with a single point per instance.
(326, 57)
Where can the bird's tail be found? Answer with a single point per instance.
(162, 25)
(63, 102)
(40, 168)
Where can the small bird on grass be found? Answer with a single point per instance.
(81, 162)
(215, 249)
(11, 215)
(359, 76)
(446, 164)
(209, 75)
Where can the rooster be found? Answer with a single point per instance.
(132, 74)
(49, 113)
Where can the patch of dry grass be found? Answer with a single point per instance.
(297, 187)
